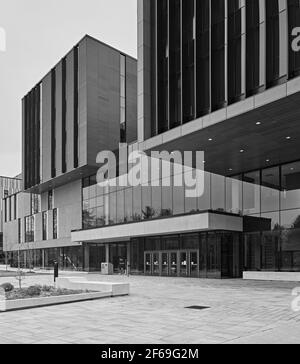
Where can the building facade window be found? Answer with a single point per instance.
(29, 229)
(45, 225)
(55, 224)
(10, 208)
(5, 210)
(50, 200)
(19, 231)
(35, 204)
(123, 137)
(15, 207)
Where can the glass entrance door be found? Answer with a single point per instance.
(165, 264)
(194, 264)
(156, 264)
(148, 264)
(183, 264)
(173, 264)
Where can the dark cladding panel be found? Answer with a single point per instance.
(23, 142)
(235, 92)
(63, 127)
(31, 138)
(294, 22)
(188, 60)
(53, 123)
(162, 66)
(70, 118)
(46, 128)
(82, 104)
(38, 135)
(273, 45)
(59, 119)
(75, 105)
(175, 63)
(218, 93)
(252, 46)
(131, 104)
(151, 86)
(203, 26)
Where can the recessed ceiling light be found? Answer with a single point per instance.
(288, 138)
(258, 123)
(242, 151)
(210, 139)
(230, 169)
(268, 160)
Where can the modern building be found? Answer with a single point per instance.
(9, 188)
(85, 104)
(218, 76)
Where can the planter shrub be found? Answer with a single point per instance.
(8, 287)
(34, 291)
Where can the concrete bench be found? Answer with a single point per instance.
(81, 284)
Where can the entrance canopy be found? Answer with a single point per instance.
(206, 221)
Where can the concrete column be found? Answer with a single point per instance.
(107, 253)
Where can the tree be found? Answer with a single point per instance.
(149, 213)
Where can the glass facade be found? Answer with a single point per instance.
(270, 198)
(68, 258)
(197, 255)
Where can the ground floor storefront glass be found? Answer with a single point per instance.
(68, 258)
(204, 255)
(277, 250)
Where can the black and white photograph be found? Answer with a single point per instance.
(149, 175)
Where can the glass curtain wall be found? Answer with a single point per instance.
(269, 197)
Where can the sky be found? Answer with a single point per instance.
(38, 34)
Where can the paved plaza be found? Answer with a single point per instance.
(155, 313)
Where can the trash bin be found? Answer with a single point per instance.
(107, 269)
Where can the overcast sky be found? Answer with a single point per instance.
(38, 34)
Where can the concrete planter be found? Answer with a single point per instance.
(11, 305)
(272, 276)
(86, 283)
